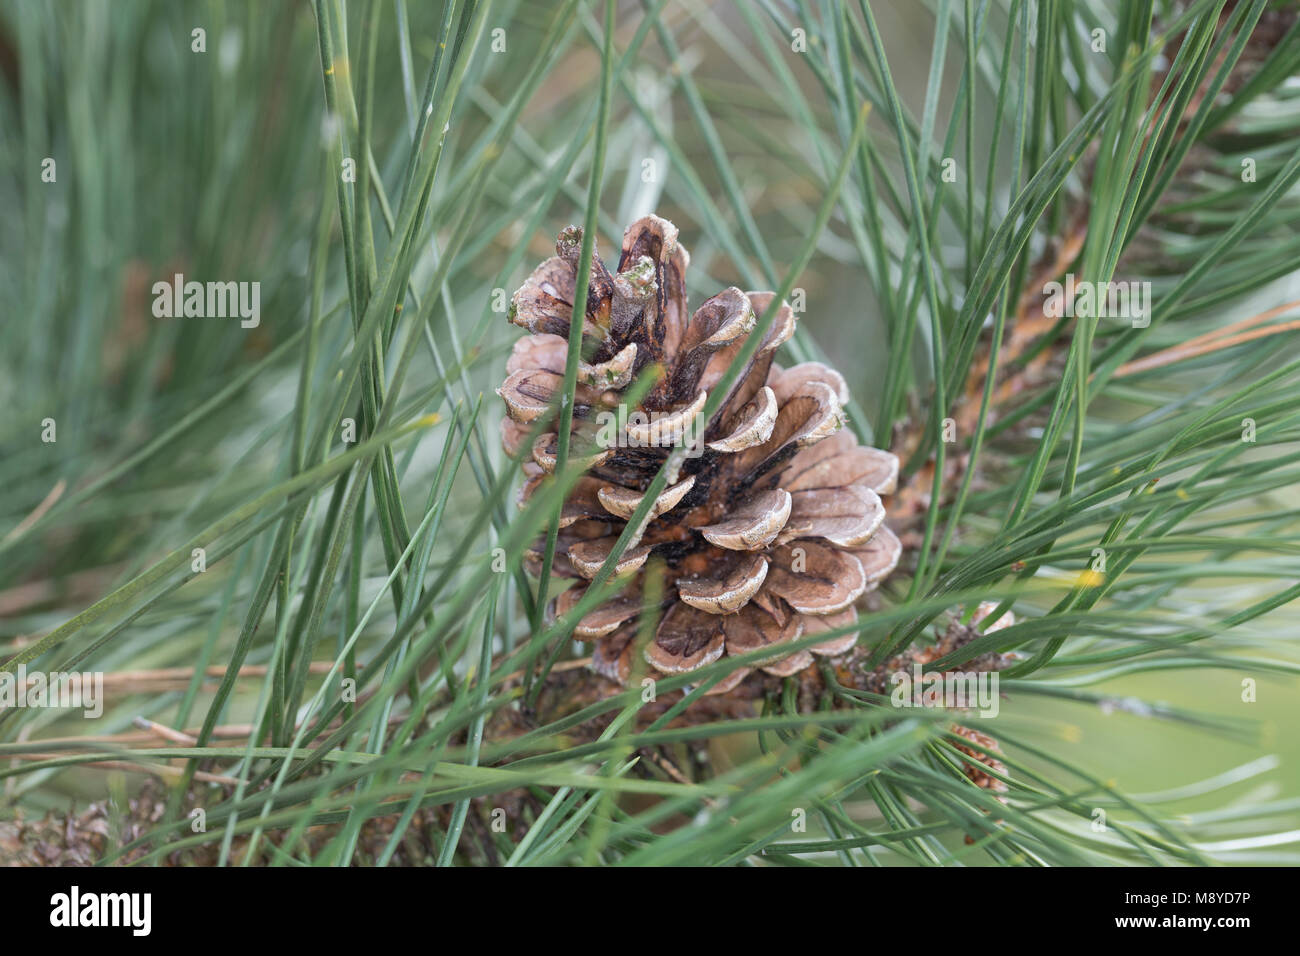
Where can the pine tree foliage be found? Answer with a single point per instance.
(1050, 247)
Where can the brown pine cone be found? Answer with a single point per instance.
(977, 761)
(773, 527)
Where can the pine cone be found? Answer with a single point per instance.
(977, 761)
(773, 527)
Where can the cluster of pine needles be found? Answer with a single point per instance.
(358, 669)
